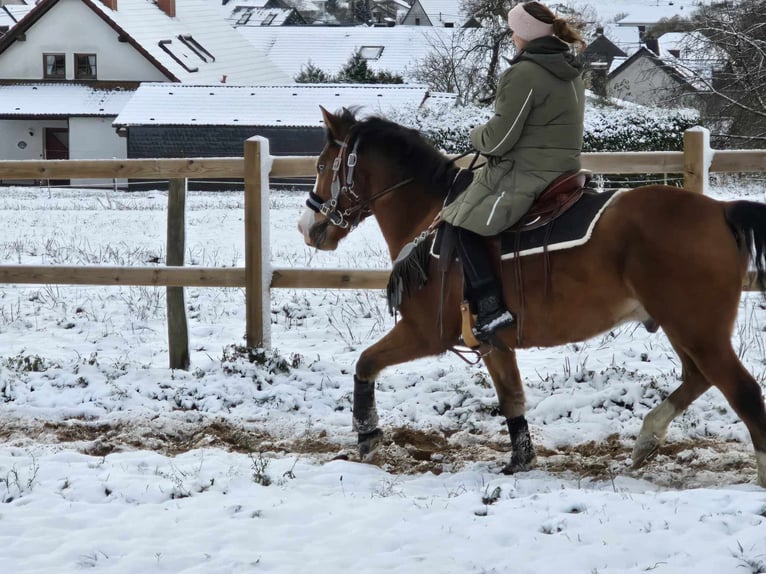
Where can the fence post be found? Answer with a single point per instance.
(697, 159)
(178, 330)
(257, 252)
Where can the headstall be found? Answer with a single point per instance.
(361, 208)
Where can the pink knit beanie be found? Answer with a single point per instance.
(527, 26)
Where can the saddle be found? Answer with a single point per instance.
(561, 194)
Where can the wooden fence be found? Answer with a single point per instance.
(255, 168)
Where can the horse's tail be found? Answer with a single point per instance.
(748, 220)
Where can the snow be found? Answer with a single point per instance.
(114, 462)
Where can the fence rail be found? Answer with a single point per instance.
(255, 168)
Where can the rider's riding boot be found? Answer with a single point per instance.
(484, 292)
(491, 312)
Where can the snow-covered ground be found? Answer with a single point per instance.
(111, 461)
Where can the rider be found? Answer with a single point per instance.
(534, 136)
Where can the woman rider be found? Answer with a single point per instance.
(534, 136)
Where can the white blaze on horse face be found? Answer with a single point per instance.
(305, 222)
(307, 218)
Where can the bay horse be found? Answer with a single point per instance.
(658, 254)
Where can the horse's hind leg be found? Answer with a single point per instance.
(656, 423)
(721, 366)
(401, 344)
(502, 367)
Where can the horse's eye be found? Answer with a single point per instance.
(320, 168)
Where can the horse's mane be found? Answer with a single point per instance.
(409, 153)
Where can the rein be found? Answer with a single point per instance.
(361, 208)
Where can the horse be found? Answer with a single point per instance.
(658, 254)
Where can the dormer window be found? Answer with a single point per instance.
(370, 52)
(268, 20)
(54, 66)
(85, 66)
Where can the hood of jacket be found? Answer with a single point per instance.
(554, 55)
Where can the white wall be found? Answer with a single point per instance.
(95, 138)
(71, 27)
(16, 131)
(89, 138)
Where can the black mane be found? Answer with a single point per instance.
(407, 150)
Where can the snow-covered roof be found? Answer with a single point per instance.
(60, 100)
(10, 14)
(249, 16)
(291, 105)
(625, 38)
(231, 57)
(194, 46)
(329, 48)
(442, 12)
(652, 14)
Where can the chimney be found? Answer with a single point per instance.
(111, 4)
(167, 6)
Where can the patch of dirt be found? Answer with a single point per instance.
(402, 450)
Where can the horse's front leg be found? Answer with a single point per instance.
(403, 343)
(502, 367)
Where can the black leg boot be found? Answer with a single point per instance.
(523, 455)
(484, 291)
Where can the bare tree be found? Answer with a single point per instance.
(733, 35)
(469, 62)
(452, 66)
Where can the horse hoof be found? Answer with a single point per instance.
(368, 442)
(644, 450)
(519, 466)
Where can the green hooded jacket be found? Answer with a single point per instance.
(535, 135)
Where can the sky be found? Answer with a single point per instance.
(112, 462)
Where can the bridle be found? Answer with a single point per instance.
(360, 208)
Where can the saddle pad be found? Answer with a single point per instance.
(572, 228)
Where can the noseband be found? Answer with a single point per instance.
(360, 207)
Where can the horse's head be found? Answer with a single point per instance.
(401, 177)
(333, 208)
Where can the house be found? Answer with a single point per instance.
(441, 13)
(251, 16)
(647, 78)
(172, 120)
(397, 50)
(601, 49)
(642, 18)
(388, 12)
(261, 13)
(597, 58)
(38, 120)
(108, 44)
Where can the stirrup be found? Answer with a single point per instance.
(488, 333)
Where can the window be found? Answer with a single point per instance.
(197, 48)
(85, 66)
(268, 20)
(370, 52)
(54, 66)
(183, 57)
(245, 17)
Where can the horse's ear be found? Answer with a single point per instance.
(330, 120)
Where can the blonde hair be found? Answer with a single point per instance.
(562, 28)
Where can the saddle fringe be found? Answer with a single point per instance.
(408, 274)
